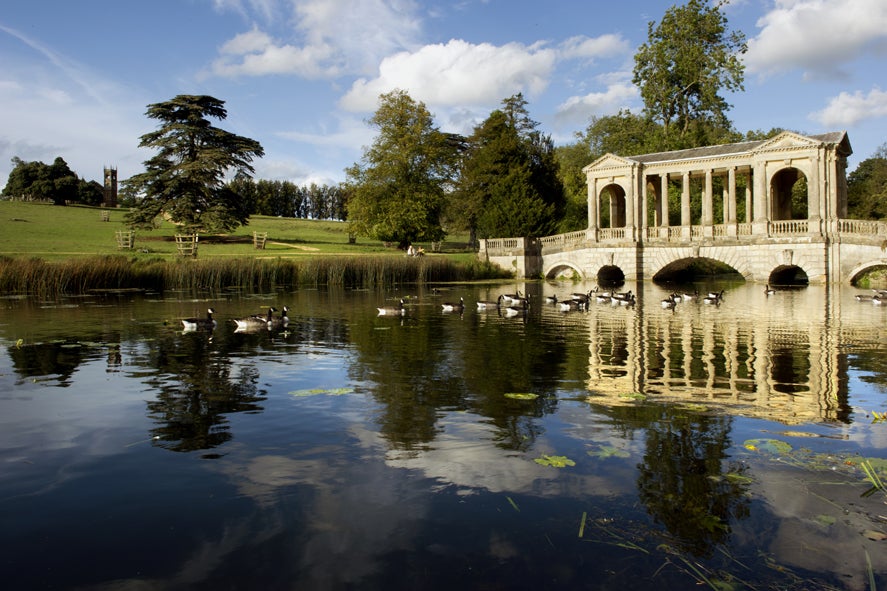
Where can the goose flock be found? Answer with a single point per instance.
(878, 297)
(250, 323)
(517, 304)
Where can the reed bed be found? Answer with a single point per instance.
(118, 272)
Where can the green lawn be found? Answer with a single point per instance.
(52, 232)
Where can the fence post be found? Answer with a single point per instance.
(125, 239)
(259, 239)
(186, 244)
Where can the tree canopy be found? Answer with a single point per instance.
(688, 59)
(56, 181)
(398, 190)
(185, 179)
(867, 187)
(509, 184)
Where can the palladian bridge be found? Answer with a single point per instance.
(774, 210)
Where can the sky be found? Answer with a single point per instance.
(302, 77)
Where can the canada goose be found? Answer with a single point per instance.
(520, 302)
(488, 305)
(281, 320)
(769, 290)
(207, 323)
(715, 295)
(878, 300)
(713, 298)
(454, 307)
(671, 301)
(571, 304)
(689, 297)
(255, 321)
(619, 298)
(398, 310)
(552, 299)
(511, 311)
(508, 298)
(864, 298)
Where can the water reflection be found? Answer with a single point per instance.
(379, 449)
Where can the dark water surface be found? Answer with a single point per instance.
(708, 446)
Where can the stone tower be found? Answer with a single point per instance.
(110, 189)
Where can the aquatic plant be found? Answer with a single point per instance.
(118, 272)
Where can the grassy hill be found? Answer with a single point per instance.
(52, 232)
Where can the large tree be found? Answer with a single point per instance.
(56, 181)
(397, 192)
(867, 188)
(185, 179)
(509, 184)
(688, 59)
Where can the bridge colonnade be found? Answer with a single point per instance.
(761, 207)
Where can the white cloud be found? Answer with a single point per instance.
(592, 48)
(847, 109)
(581, 108)
(457, 73)
(331, 38)
(816, 36)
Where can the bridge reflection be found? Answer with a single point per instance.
(778, 360)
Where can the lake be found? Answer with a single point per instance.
(729, 445)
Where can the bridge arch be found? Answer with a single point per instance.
(783, 183)
(613, 196)
(788, 275)
(860, 270)
(677, 269)
(563, 269)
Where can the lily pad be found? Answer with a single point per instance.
(770, 446)
(555, 461)
(322, 391)
(521, 395)
(825, 520)
(608, 451)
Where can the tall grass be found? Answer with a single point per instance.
(118, 272)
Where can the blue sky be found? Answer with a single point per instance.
(303, 76)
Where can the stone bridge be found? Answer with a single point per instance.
(780, 216)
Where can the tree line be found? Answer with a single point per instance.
(416, 183)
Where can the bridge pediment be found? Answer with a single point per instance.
(787, 141)
(608, 162)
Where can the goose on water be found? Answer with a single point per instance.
(671, 301)
(255, 321)
(488, 304)
(454, 307)
(571, 304)
(397, 310)
(280, 321)
(508, 298)
(200, 323)
(714, 298)
(769, 290)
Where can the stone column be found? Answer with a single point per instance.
(663, 200)
(730, 203)
(761, 200)
(642, 223)
(593, 221)
(685, 205)
(749, 209)
(814, 199)
(707, 220)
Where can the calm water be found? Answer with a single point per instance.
(674, 449)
